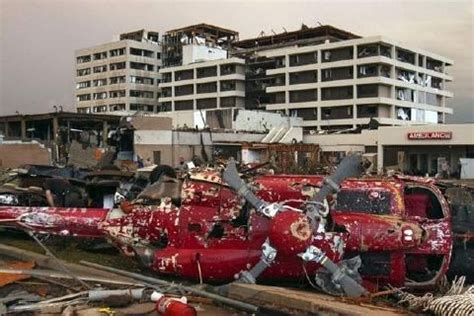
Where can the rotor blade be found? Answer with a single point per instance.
(231, 176)
(348, 284)
(350, 166)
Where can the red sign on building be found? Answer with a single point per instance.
(430, 135)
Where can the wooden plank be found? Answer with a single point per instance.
(47, 262)
(306, 301)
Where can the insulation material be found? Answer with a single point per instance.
(6, 278)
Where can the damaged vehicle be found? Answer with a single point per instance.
(344, 234)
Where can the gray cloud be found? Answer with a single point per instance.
(38, 38)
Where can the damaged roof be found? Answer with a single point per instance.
(304, 33)
(205, 28)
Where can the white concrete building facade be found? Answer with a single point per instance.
(345, 83)
(204, 85)
(121, 76)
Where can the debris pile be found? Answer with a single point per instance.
(345, 234)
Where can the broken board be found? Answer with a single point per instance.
(306, 301)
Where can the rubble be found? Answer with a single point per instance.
(344, 234)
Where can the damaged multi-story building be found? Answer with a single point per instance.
(121, 76)
(330, 78)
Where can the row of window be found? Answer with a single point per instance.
(201, 104)
(117, 52)
(116, 108)
(203, 72)
(115, 94)
(362, 51)
(363, 91)
(115, 80)
(363, 71)
(208, 87)
(116, 66)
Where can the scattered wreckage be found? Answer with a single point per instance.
(343, 234)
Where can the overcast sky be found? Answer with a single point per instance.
(38, 38)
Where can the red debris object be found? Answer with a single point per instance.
(170, 306)
(400, 228)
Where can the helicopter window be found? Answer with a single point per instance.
(422, 202)
(364, 201)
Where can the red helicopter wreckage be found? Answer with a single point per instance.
(347, 236)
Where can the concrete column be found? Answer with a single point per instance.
(218, 84)
(23, 128)
(105, 131)
(55, 128)
(7, 129)
(379, 158)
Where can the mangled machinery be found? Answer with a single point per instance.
(346, 235)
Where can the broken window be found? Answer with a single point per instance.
(117, 94)
(141, 80)
(308, 114)
(403, 114)
(209, 103)
(84, 110)
(368, 110)
(116, 80)
(205, 72)
(142, 66)
(183, 105)
(141, 52)
(227, 70)
(183, 90)
(83, 72)
(142, 107)
(99, 82)
(184, 75)
(337, 93)
(99, 96)
(303, 95)
(367, 91)
(405, 56)
(337, 112)
(99, 109)
(304, 59)
(166, 92)
(276, 98)
(367, 70)
(405, 94)
(339, 73)
(406, 75)
(228, 102)
(279, 80)
(117, 107)
(117, 52)
(83, 85)
(436, 83)
(83, 59)
(279, 62)
(99, 56)
(435, 65)
(83, 97)
(98, 69)
(208, 87)
(117, 66)
(303, 77)
(164, 107)
(141, 94)
(228, 85)
(166, 77)
(344, 53)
